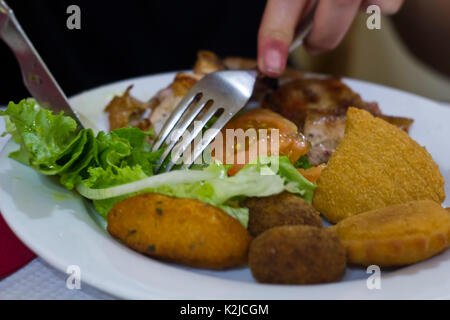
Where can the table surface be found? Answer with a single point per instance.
(40, 281)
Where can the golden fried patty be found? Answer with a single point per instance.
(396, 235)
(184, 231)
(376, 165)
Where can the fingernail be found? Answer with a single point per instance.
(273, 61)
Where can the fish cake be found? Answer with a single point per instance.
(183, 231)
(297, 255)
(396, 235)
(376, 165)
(279, 210)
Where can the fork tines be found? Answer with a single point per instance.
(221, 94)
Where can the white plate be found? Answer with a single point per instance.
(63, 229)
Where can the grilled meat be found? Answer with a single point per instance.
(318, 106)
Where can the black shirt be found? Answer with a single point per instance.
(123, 39)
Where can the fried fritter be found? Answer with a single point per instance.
(184, 231)
(279, 210)
(396, 235)
(297, 255)
(375, 166)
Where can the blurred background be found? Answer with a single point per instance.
(119, 40)
(411, 51)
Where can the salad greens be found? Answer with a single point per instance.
(303, 163)
(110, 167)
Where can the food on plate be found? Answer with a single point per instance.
(185, 231)
(396, 235)
(318, 106)
(208, 62)
(337, 155)
(111, 167)
(123, 111)
(289, 142)
(297, 255)
(376, 165)
(279, 210)
(312, 173)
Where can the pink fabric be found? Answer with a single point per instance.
(13, 253)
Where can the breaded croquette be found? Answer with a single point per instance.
(184, 231)
(376, 165)
(279, 210)
(297, 255)
(396, 235)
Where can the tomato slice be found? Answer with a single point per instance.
(291, 143)
(313, 173)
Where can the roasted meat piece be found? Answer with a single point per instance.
(329, 96)
(167, 99)
(127, 111)
(318, 106)
(324, 132)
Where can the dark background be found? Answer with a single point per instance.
(123, 39)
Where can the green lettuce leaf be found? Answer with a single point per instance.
(110, 167)
(303, 163)
(49, 143)
(52, 145)
(211, 185)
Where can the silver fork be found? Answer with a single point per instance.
(36, 76)
(226, 91)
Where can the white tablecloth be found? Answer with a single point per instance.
(38, 280)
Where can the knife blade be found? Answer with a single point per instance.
(36, 76)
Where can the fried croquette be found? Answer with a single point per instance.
(376, 165)
(183, 231)
(396, 235)
(279, 210)
(297, 255)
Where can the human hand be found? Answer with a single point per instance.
(332, 20)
